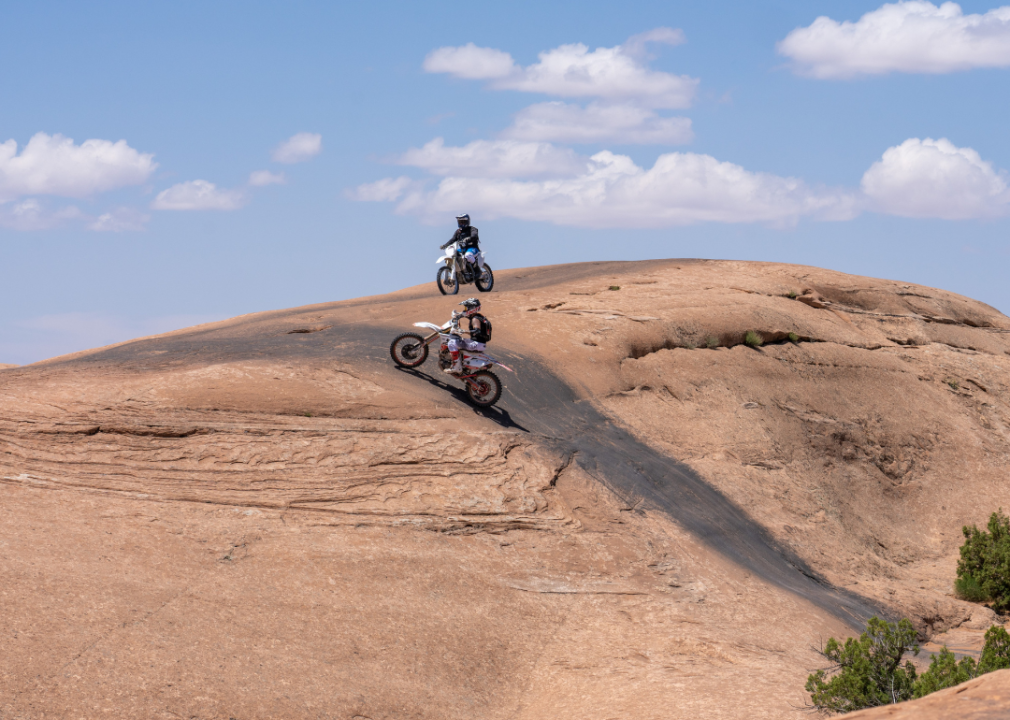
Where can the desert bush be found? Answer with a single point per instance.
(794, 338)
(946, 671)
(968, 588)
(711, 341)
(752, 338)
(996, 651)
(983, 572)
(867, 671)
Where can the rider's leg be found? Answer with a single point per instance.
(457, 360)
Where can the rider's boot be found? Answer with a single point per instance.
(457, 364)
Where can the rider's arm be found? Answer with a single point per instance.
(454, 238)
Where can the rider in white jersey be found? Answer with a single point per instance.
(471, 311)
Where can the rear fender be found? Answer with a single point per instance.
(499, 363)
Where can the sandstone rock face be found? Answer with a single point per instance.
(263, 517)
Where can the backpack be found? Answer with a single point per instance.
(480, 329)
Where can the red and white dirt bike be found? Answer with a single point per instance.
(410, 350)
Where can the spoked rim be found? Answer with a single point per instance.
(485, 281)
(408, 350)
(411, 352)
(484, 388)
(446, 284)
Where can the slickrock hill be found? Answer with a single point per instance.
(263, 517)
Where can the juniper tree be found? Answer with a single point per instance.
(867, 671)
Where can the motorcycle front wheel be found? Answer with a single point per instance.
(484, 388)
(447, 285)
(485, 281)
(408, 350)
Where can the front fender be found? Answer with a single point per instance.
(432, 326)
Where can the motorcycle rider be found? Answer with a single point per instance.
(477, 332)
(469, 242)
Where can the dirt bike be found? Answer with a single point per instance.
(456, 271)
(410, 350)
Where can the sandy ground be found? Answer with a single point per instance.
(264, 518)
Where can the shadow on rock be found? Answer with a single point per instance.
(494, 414)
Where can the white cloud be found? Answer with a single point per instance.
(470, 62)
(680, 189)
(636, 44)
(913, 37)
(30, 214)
(598, 122)
(935, 179)
(54, 165)
(616, 74)
(494, 158)
(120, 220)
(260, 178)
(298, 148)
(385, 190)
(198, 195)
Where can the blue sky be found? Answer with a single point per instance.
(726, 130)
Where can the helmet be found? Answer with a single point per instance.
(462, 220)
(471, 307)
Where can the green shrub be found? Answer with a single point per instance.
(794, 338)
(867, 671)
(752, 338)
(944, 672)
(711, 341)
(791, 295)
(968, 588)
(615, 287)
(983, 572)
(996, 651)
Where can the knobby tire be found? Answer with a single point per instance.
(408, 350)
(485, 378)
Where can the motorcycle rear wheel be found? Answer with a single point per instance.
(408, 350)
(487, 390)
(485, 281)
(447, 285)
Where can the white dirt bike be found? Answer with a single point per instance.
(410, 350)
(456, 271)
